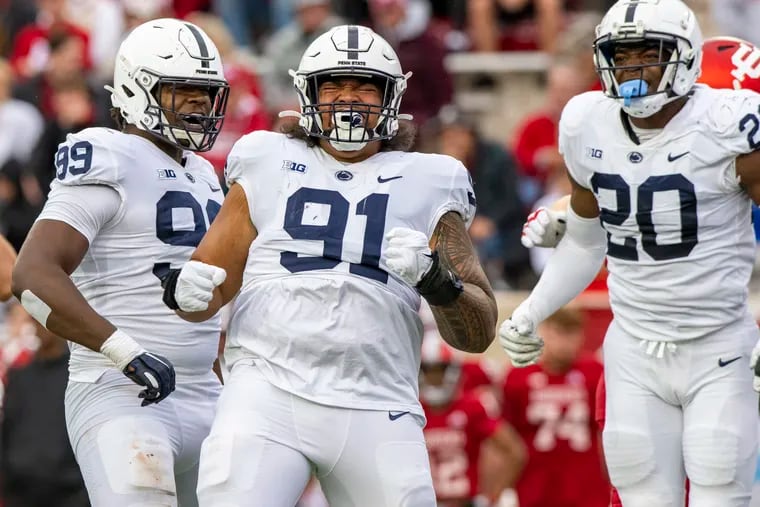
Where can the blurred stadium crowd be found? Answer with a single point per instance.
(490, 80)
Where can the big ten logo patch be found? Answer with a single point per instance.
(289, 165)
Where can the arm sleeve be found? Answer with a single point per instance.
(574, 264)
(244, 165)
(86, 208)
(460, 198)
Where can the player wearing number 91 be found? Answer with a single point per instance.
(125, 206)
(329, 236)
(664, 172)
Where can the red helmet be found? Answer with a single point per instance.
(728, 62)
(440, 370)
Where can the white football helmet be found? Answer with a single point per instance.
(350, 51)
(169, 53)
(665, 24)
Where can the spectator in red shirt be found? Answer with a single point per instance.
(64, 62)
(535, 145)
(551, 406)
(31, 46)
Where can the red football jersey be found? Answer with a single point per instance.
(453, 435)
(554, 416)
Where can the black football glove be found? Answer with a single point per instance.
(154, 372)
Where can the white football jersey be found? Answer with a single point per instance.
(680, 241)
(165, 210)
(318, 310)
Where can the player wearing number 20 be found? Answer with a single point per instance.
(663, 174)
(330, 235)
(125, 206)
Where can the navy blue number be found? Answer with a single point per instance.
(645, 199)
(62, 162)
(331, 234)
(688, 204)
(75, 160)
(373, 207)
(165, 231)
(212, 210)
(616, 182)
(755, 123)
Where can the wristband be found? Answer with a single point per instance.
(169, 283)
(439, 286)
(121, 349)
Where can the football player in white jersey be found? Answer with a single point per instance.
(329, 235)
(125, 206)
(664, 172)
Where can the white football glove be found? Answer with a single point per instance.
(753, 364)
(544, 227)
(520, 342)
(196, 284)
(408, 254)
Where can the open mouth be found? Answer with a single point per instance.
(194, 122)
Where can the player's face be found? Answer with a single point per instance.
(640, 62)
(185, 100)
(357, 95)
(433, 373)
(561, 345)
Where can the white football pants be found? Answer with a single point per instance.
(691, 412)
(133, 456)
(265, 443)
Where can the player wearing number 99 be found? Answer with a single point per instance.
(127, 205)
(664, 172)
(330, 234)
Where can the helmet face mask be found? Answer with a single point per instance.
(195, 131)
(350, 53)
(439, 382)
(440, 372)
(158, 66)
(665, 28)
(349, 122)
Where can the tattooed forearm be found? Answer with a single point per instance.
(469, 323)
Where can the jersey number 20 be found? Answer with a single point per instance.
(645, 204)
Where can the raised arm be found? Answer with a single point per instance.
(215, 273)
(469, 322)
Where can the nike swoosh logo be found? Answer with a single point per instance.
(395, 416)
(673, 158)
(213, 189)
(723, 363)
(380, 179)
